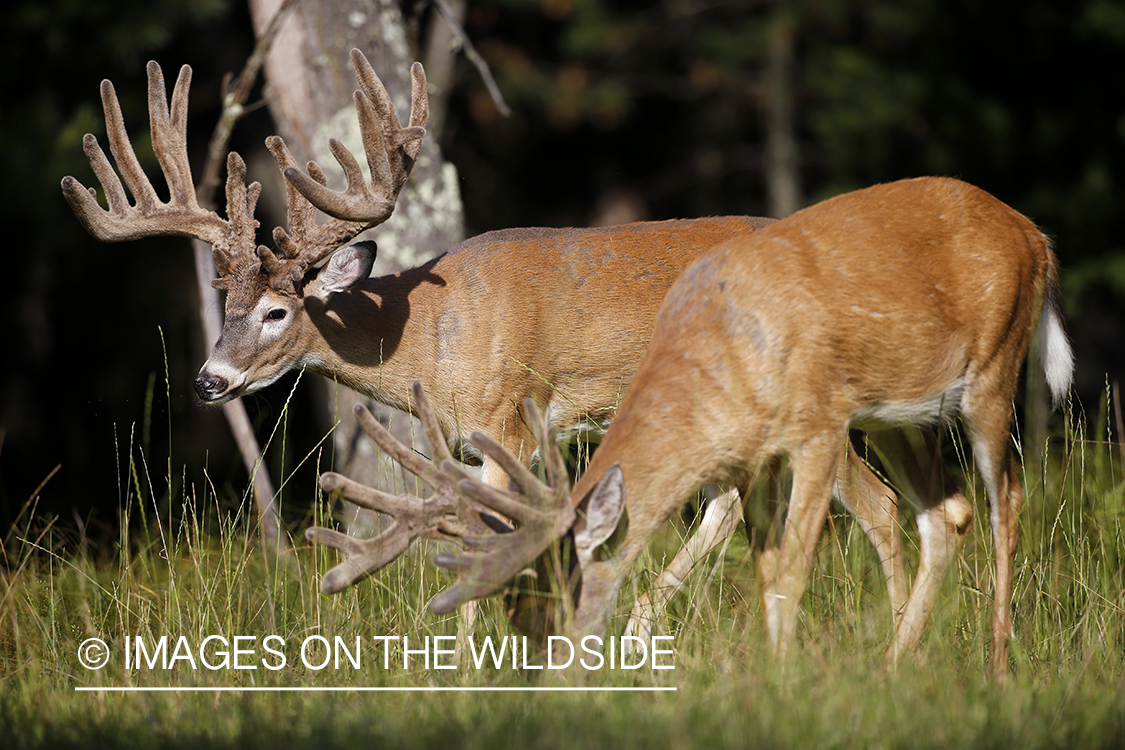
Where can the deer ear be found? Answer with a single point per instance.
(604, 508)
(346, 268)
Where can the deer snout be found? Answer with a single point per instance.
(209, 386)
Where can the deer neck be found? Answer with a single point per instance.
(377, 338)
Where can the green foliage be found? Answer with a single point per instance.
(66, 318)
(1019, 100)
(74, 44)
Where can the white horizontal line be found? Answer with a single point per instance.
(361, 689)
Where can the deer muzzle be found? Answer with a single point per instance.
(210, 387)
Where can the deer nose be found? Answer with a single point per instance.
(208, 387)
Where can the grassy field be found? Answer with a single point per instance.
(188, 567)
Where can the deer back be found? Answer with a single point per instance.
(879, 307)
(562, 316)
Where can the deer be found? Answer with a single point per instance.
(906, 303)
(485, 325)
(469, 319)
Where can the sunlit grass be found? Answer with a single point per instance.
(187, 563)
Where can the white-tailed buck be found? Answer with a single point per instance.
(558, 316)
(907, 303)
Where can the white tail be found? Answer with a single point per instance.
(906, 303)
(1057, 358)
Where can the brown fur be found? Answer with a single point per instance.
(775, 343)
(495, 320)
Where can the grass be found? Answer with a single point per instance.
(188, 566)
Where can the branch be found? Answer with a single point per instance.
(234, 100)
(474, 57)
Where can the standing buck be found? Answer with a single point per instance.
(558, 316)
(907, 303)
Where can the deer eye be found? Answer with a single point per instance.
(276, 314)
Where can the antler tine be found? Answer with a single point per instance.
(390, 148)
(301, 214)
(310, 242)
(430, 424)
(120, 145)
(410, 459)
(549, 452)
(413, 516)
(529, 485)
(435, 517)
(419, 108)
(169, 132)
(369, 497)
(364, 556)
(111, 225)
(506, 503)
(149, 216)
(482, 574)
(408, 138)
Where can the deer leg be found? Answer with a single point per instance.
(944, 517)
(987, 413)
(875, 507)
(1006, 534)
(815, 466)
(1005, 496)
(492, 474)
(767, 544)
(720, 520)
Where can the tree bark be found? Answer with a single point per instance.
(309, 85)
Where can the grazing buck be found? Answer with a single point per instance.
(560, 316)
(912, 302)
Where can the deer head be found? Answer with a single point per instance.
(267, 290)
(556, 539)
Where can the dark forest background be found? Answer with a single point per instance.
(620, 110)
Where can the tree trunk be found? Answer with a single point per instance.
(309, 85)
(782, 158)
